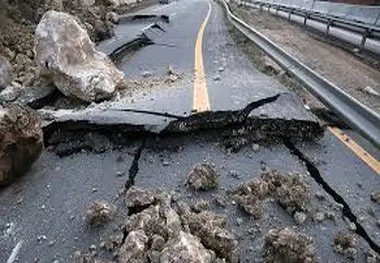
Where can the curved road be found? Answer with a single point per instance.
(41, 216)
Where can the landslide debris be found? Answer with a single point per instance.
(202, 177)
(99, 213)
(288, 246)
(292, 192)
(165, 229)
(19, 18)
(21, 141)
(345, 244)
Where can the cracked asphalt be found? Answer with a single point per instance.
(44, 210)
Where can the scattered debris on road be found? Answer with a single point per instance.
(202, 177)
(99, 214)
(286, 245)
(291, 191)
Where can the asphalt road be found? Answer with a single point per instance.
(43, 212)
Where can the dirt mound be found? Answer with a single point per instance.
(288, 246)
(292, 191)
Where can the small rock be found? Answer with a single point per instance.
(221, 69)
(300, 217)
(239, 221)
(146, 74)
(99, 213)
(165, 163)
(112, 17)
(319, 217)
(320, 195)
(94, 190)
(170, 70)
(76, 238)
(92, 247)
(202, 177)
(56, 261)
(330, 215)
(372, 256)
(216, 78)
(120, 173)
(51, 243)
(255, 147)
(375, 196)
(370, 91)
(234, 174)
(102, 245)
(137, 197)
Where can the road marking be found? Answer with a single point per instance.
(357, 149)
(200, 97)
(15, 251)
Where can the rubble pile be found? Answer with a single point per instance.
(162, 228)
(292, 191)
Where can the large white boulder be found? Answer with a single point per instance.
(65, 52)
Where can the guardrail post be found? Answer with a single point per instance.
(290, 13)
(277, 8)
(367, 33)
(329, 23)
(305, 18)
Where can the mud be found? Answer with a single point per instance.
(291, 191)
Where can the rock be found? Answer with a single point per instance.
(346, 245)
(372, 256)
(170, 70)
(371, 91)
(87, 3)
(271, 66)
(185, 248)
(202, 177)
(99, 214)
(11, 92)
(22, 62)
(211, 229)
(134, 247)
(286, 245)
(216, 78)
(54, 4)
(112, 17)
(319, 217)
(65, 52)
(102, 29)
(6, 73)
(21, 141)
(375, 196)
(146, 74)
(158, 242)
(255, 147)
(300, 217)
(200, 206)
(234, 174)
(136, 197)
(221, 69)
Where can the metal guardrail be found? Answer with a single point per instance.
(353, 112)
(366, 30)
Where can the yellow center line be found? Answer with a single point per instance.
(357, 149)
(200, 97)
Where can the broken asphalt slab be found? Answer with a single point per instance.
(67, 128)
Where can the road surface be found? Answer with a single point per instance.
(42, 214)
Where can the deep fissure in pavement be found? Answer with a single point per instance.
(346, 211)
(134, 169)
